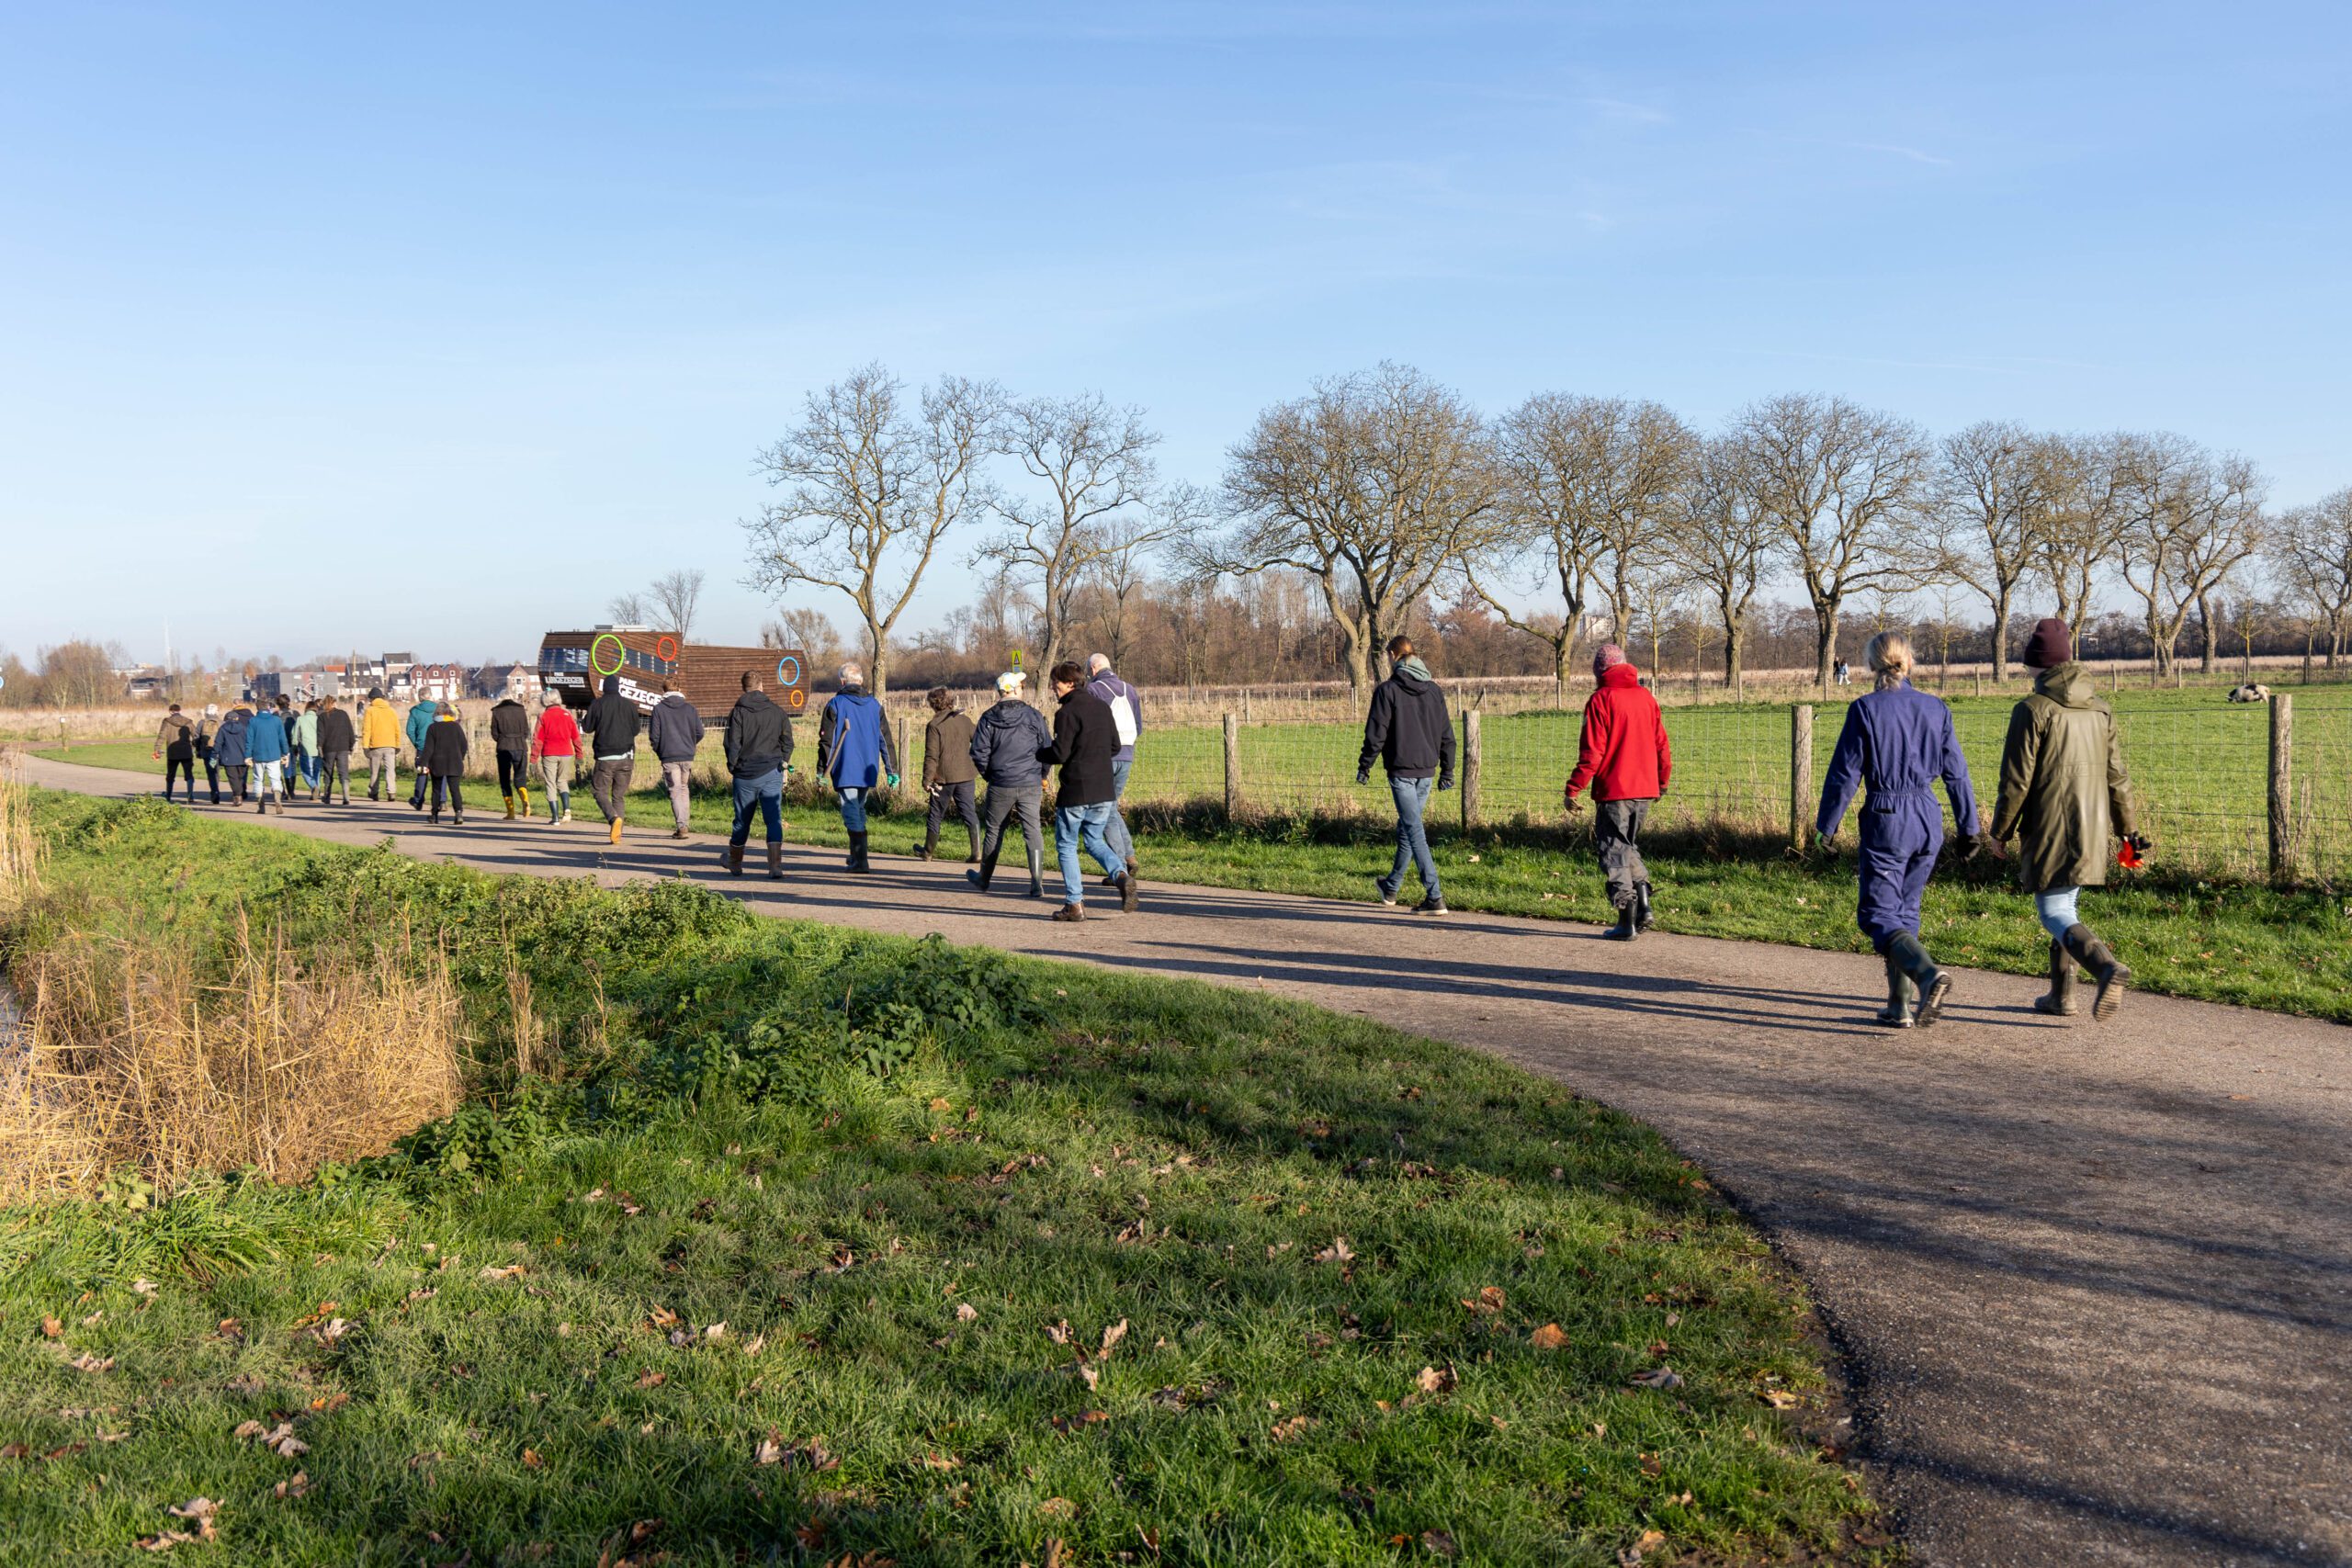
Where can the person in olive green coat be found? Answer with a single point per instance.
(2066, 799)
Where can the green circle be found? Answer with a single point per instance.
(619, 658)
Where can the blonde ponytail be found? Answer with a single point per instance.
(1888, 657)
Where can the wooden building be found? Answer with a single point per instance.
(574, 665)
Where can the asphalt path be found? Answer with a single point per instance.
(2094, 1282)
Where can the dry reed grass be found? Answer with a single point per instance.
(133, 1061)
(20, 845)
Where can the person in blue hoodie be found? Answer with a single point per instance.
(418, 726)
(853, 751)
(1007, 744)
(266, 747)
(1898, 740)
(229, 752)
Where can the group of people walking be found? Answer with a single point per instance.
(2063, 793)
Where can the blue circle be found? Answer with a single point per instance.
(782, 679)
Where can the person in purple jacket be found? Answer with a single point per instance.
(1898, 740)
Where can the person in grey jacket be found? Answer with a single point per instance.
(674, 731)
(1007, 744)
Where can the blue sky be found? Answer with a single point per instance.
(436, 326)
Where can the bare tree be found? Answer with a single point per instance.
(626, 609)
(1586, 490)
(810, 631)
(2312, 554)
(2079, 483)
(1990, 510)
(1369, 485)
(2193, 519)
(1129, 543)
(1094, 462)
(1722, 540)
(1842, 488)
(675, 598)
(870, 488)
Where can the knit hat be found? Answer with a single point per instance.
(374, 692)
(1010, 681)
(2051, 644)
(1607, 656)
(212, 710)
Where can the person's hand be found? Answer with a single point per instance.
(1571, 805)
(1445, 782)
(2141, 842)
(154, 756)
(1363, 775)
(893, 778)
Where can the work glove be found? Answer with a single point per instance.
(2141, 842)
(1363, 775)
(893, 778)
(1445, 782)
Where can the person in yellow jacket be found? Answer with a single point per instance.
(379, 736)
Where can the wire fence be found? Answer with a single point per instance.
(2202, 768)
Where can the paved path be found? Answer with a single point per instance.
(2095, 1281)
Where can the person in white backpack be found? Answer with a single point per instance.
(1126, 716)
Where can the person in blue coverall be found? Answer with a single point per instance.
(1899, 741)
(853, 751)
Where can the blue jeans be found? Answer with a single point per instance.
(763, 794)
(853, 810)
(2055, 908)
(306, 767)
(1087, 825)
(1412, 798)
(1117, 833)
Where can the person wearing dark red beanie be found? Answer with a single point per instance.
(2066, 799)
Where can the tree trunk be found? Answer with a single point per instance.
(2001, 637)
(1735, 653)
(1825, 618)
(2206, 640)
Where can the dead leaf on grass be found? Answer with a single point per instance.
(1659, 1378)
(531, 1460)
(1782, 1399)
(512, 1271)
(966, 1312)
(1550, 1337)
(1058, 1508)
(1439, 1542)
(1338, 1252)
(1110, 1338)
(1489, 1300)
(85, 1362)
(51, 1328)
(296, 1486)
(652, 1379)
(1648, 1542)
(1429, 1379)
(1291, 1426)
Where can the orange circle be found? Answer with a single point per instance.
(666, 649)
(799, 698)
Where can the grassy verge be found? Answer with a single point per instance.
(2184, 934)
(807, 1244)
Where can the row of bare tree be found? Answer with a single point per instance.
(1384, 491)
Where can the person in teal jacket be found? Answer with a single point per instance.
(420, 724)
(266, 748)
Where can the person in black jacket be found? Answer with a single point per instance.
(675, 729)
(1406, 728)
(510, 743)
(1086, 741)
(444, 759)
(759, 746)
(1008, 744)
(610, 725)
(336, 737)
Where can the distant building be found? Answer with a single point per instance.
(145, 682)
(434, 682)
(520, 681)
(296, 685)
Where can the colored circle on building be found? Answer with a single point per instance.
(620, 653)
(787, 672)
(799, 699)
(666, 649)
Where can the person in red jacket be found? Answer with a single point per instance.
(1623, 756)
(555, 744)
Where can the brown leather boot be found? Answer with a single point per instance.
(735, 859)
(776, 862)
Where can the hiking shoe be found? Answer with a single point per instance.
(1070, 913)
(1379, 884)
(1128, 892)
(677, 832)
(1431, 905)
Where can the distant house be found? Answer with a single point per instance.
(520, 681)
(296, 685)
(436, 682)
(145, 682)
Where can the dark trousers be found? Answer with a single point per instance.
(337, 766)
(236, 772)
(958, 798)
(608, 780)
(448, 783)
(1616, 834)
(418, 795)
(1003, 800)
(212, 779)
(513, 772)
(177, 767)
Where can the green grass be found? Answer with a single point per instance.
(833, 1144)
(2214, 938)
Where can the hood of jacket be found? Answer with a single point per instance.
(2070, 686)
(1621, 675)
(612, 686)
(1413, 673)
(677, 697)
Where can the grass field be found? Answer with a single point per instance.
(817, 1247)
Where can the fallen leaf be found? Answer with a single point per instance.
(1550, 1337)
(85, 1362)
(531, 1460)
(163, 1540)
(942, 1461)
(1059, 1332)
(512, 1271)
(1490, 1299)
(296, 1485)
(662, 1318)
(1088, 1374)
(1438, 1541)
(941, 1104)
(1336, 1252)
(1291, 1426)
(50, 1329)
(755, 1344)
(147, 1288)
(1058, 1508)
(1110, 1337)
(717, 1331)
(1431, 1380)
(1782, 1399)
(966, 1312)
(1648, 1542)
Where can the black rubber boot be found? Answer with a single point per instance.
(973, 858)
(1935, 986)
(1036, 876)
(2105, 968)
(1642, 919)
(930, 843)
(1626, 929)
(1896, 1014)
(982, 877)
(2059, 1000)
(857, 861)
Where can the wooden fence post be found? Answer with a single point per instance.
(1980, 683)
(2283, 764)
(1470, 767)
(1801, 775)
(906, 764)
(1232, 767)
